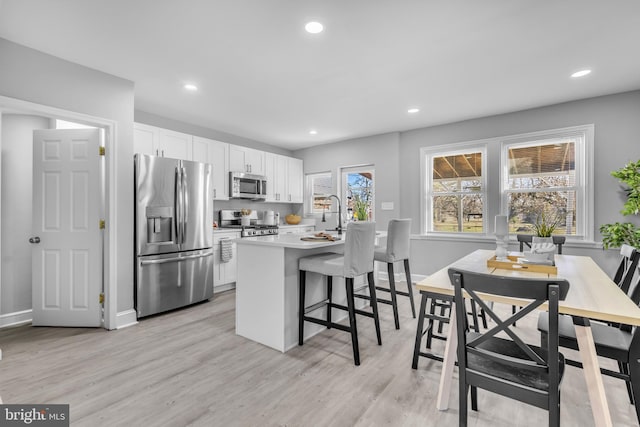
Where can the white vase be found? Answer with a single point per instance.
(547, 256)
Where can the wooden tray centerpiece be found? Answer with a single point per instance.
(512, 264)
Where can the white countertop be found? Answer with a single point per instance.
(289, 241)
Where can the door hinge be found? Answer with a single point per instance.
(102, 224)
(102, 151)
(101, 298)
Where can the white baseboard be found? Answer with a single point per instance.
(225, 287)
(15, 318)
(126, 318)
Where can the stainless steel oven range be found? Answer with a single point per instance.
(232, 219)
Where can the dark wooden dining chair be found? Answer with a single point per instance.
(612, 341)
(505, 364)
(526, 239)
(629, 257)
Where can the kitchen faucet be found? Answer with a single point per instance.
(324, 219)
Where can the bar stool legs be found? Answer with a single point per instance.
(350, 308)
(352, 320)
(407, 273)
(394, 292)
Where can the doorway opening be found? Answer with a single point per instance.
(15, 302)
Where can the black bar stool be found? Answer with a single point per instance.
(357, 260)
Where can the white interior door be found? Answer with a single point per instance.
(67, 243)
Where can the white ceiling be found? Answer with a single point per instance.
(261, 76)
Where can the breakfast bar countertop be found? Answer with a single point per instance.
(293, 241)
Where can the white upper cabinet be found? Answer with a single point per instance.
(216, 153)
(243, 159)
(295, 179)
(175, 145)
(276, 172)
(284, 178)
(284, 174)
(145, 139)
(161, 142)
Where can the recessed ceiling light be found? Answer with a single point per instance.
(313, 132)
(190, 87)
(314, 27)
(413, 110)
(581, 73)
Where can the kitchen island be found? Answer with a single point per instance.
(267, 288)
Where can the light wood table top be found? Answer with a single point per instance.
(591, 294)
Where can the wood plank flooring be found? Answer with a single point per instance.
(188, 368)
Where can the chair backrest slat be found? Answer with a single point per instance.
(526, 239)
(628, 263)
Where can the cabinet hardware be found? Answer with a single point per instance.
(101, 151)
(101, 298)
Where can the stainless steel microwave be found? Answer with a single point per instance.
(247, 186)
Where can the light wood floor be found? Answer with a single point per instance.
(189, 368)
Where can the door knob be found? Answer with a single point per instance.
(34, 239)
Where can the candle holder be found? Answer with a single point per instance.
(501, 247)
(502, 237)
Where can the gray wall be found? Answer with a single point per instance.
(17, 190)
(33, 76)
(617, 129)
(379, 150)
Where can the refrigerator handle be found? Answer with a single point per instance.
(176, 259)
(185, 204)
(177, 197)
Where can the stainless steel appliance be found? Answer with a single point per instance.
(230, 218)
(174, 241)
(247, 186)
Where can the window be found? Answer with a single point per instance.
(455, 189)
(545, 174)
(319, 187)
(358, 193)
(550, 173)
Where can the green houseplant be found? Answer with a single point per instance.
(546, 224)
(360, 208)
(616, 234)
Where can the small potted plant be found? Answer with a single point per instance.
(545, 225)
(542, 246)
(360, 208)
(245, 219)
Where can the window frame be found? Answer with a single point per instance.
(344, 171)
(427, 154)
(584, 172)
(308, 200)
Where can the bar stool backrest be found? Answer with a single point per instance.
(398, 239)
(358, 248)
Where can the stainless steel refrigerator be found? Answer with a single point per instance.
(173, 233)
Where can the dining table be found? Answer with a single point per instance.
(592, 295)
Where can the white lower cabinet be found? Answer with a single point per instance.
(224, 273)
